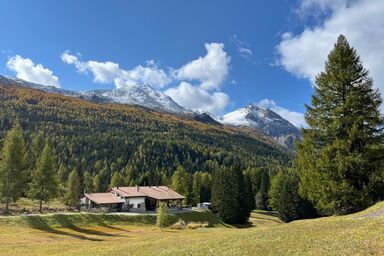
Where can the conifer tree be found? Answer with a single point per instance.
(285, 199)
(97, 183)
(206, 188)
(44, 184)
(225, 195)
(88, 183)
(262, 194)
(339, 159)
(244, 199)
(248, 187)
(73, 189)
(38, 144)
(33, 154)
(181, 181)
(13, 164)
(117, 180)
(196, 188)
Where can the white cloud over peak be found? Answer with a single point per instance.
(361, 21)
(293, 117)
(210, 73)
(198, 99)
(36, 73)
(210, 70)
(110, 72)
(198, 82)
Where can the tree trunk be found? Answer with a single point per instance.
(7, 194)
(6, 204)
(40, 206)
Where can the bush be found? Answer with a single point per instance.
(163, 218)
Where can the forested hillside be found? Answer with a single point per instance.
(144, 146)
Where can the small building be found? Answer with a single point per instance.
(132, 199)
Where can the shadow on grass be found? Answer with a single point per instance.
(245, 225)
(203, 216)
(268, 213)
(65, 221)
(39, 223)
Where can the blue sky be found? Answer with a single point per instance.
(266, 51)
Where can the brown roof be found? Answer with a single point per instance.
(156, 192)
(104, 198)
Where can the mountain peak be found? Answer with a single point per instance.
(143, 95)
(264, 120)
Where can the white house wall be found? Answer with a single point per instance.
(138, 204)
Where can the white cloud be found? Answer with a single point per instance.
(243, 47)
(36, 73)
(68, 58)
(210, 70)
(293, 117)
(361, 21)
(315, 7)
(110, 72)
(198, 99)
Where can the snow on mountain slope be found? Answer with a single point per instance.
(23, 83)
(143, 95)
(264, 120)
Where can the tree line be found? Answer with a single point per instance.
(32, 172)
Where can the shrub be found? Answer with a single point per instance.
(163, 218)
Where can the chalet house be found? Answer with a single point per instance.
(132, 199)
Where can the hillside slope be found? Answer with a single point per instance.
(143, 144)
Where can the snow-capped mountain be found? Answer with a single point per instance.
(143, 95)
(264, 120)
(46, 88)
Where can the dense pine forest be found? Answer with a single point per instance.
(143, 146)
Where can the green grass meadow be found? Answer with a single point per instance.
(100, 234)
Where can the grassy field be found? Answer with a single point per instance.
(85, 234)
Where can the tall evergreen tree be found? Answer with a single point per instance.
(206, 188)
(339, 159)
(181, 182)
(285, 199)
(196, 188)
(44, 184)
(97, 183)
(248, 187)
(73, 189)
(117, 180)
(262, 194)
(38, 144)
(88, 183)
(244, 210)
(225, 195)
(13, 164)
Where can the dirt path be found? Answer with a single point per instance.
(374, 214)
